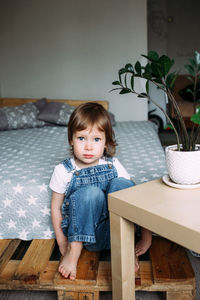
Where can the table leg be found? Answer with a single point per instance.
(122, 258)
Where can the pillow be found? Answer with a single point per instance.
(56, 113)
(19, 117)
(40, 104)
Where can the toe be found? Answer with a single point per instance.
(72, 276)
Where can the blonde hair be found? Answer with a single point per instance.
(90, 114)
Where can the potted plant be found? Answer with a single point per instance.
(158, 71)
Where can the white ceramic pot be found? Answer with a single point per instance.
(183, 166)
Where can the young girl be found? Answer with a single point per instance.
(81, 184)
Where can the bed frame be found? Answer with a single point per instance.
(20, 101)
(32, 265)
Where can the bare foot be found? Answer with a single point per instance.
(143, 245)
(63, 247)
(69, 262)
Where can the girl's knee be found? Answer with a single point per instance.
(120, 183)
(89, 194)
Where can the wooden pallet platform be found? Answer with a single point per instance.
(32, 268)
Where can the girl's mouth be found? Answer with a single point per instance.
(88, 156)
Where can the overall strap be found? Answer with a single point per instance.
(68, 165)
(109, 162)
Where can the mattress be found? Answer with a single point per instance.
(27, 160)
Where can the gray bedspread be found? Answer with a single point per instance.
(27, 160)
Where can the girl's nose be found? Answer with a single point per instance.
(88, 146)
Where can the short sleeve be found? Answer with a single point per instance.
(120, 169)
(60, 179)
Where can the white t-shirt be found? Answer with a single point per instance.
(61, 178)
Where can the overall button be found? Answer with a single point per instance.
(76, 173)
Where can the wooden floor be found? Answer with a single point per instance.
(157, 272)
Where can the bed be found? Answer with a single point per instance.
(29, 153)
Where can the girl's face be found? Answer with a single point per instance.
(88, 146)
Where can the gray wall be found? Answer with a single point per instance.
(71, 49)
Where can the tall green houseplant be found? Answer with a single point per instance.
(158, 71)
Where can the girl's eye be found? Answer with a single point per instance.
(97, 139)
(80, 138)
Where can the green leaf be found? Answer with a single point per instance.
(115, 89)
(122, 71)
(165, 64)
(190, 69)
(125, 91)
(132, 82)
(170, 80)
(148, 69)
(125, 80)
(192, 62)
(190, 78)
(147, 76)
(142, 95)
(188, 90)
(158, 80)
(196, 118)
(152, 56)
(129, 68)
(197, 57)
(116, 83)
(147, 86)
(198, 110)
(155, 70)
(138, 68)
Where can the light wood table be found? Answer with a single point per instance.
(170, 212)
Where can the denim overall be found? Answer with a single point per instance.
(84, 210)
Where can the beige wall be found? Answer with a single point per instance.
(71, 49)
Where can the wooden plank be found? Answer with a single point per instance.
(34, 261)
(48, 274)
(104, 277)
(20, 101)
(88, 296)
(146, 276)
(180, 295)
(170, 262)
(7, 274)
(63, 295)
(7, 248)
(86, 270)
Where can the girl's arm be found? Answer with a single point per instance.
(120, 169)
(56, 216)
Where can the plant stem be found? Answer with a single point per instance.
(180, 118)
(168, 118)
(196, 135)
